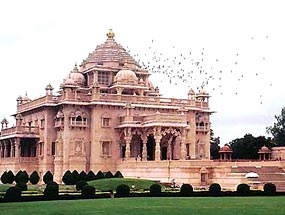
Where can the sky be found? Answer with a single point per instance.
(233, 49)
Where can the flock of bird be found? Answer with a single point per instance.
(198, 69)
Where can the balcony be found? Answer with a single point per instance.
(20, 131)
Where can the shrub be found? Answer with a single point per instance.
(4, 178)
(47, 177)
(10, 177)
(17, 176)
(122, 190)
(34, 177)
(74, 177)
(51, 191)
(155, 190)
(80, 185)
(13, 194)
(215, 189)
(186, 190)
(22, 186)
(88, 192)
(118, 174)
(66, 178)
(82, 176)
(109, 174)
(23, 177)
(243, 190)
(269, 189)
(99, 175)
(91, 176)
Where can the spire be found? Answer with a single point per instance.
(110, 34)
(75, 69)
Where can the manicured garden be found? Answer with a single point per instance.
(271, 205)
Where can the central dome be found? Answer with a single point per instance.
(126, 77)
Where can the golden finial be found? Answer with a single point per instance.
(110, 34)
(75, 69)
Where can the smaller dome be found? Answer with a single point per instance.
(26, 98)
(49, 87)
(78, 78)
(191, 92)
(264, 149)
(126, 77)
(68, 81)
(225, 148)
(202, 92)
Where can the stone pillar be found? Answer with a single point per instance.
(157, 137)
(1, 149)
(17, 147)
(144, 149)
(12, 151)
(5, 149)
(128, 138)
(183, 145)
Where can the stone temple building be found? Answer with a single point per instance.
(108, 116)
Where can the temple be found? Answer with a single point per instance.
(108, 116)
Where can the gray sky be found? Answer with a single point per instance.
(242, 44)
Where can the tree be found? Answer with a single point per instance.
(10, 177)
(99, 175)
(48, 177)
(82, 176)
(34, 177)
(214, 145)
(74, 177)
(4, 178)
(91, 176)
(248, 146)
(278, 129)
(66, 178)
(23, 177)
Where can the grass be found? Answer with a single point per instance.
(153, 206)
(112, 183)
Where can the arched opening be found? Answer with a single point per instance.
(150, 147)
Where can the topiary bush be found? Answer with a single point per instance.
(122, 190)
(243, 190)
(99, 175)
(82, 176)
(34, 177)
(269, 189)
(155, 190)
(66, 178)
(118, 174)
(48, 177)
(80, 185)
(4, 178)
(52, 190)
(74, 177)
(10, 177)
(24, 177)
(215, 189)
(186, 190)
(91, 176)
(88, 192)
(13, 194)
(109, 174)
(17, 176)
(22, 186)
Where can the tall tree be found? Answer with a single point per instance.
(278, 129)
(214, 146)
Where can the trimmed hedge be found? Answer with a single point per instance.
(22, 186)
(118, 174)
(48, 177)
(13, 194)
(34, 177)
(80, 185)
(91, 176)
(122, 190)
(243, 190)
(155, 190)
(51, 191)
(215, 189)
(269, 189)
(186, 190)
(88, 192)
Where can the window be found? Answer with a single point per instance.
(53, 148)
(41, 149)
(105, 122)
(105, 148)
(42, 125)
(103, 78)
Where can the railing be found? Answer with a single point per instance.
(202, 128)
(20, 130)
(35, 103)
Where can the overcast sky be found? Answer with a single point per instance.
(240, 44)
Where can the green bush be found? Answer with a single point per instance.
(74, 177)
(47, 177)
(22, 186)
(99, 175)
(91, 176)
(13, 194)
(118, 174)
(122, 190)
(186, 190)
(10, 177)
(66, 178)
(243, 190)
(82, 176)
(4, 178)
(80, 185)
(17, 176)
(215, 189)
(88, 192)
(109, 174)
(269, 189)
(155, 190)
(52, 190)
(34, 177)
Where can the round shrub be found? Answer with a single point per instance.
(88, 192)
(82, 176)
(118, 174)
(10, 177)
(51, 191)
(4, 178)
(80, 185)
(155, 190)
(186, 190)
(47, 177)
(215, 189)
(66, 178)
(17, 176)
(34, 177)
(22, 186)
(122, 190)
(24, 177)
(269, 189)
(243, 190)
(74, 177)
(12, 194)
(91, 176)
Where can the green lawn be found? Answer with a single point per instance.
(153, 206)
